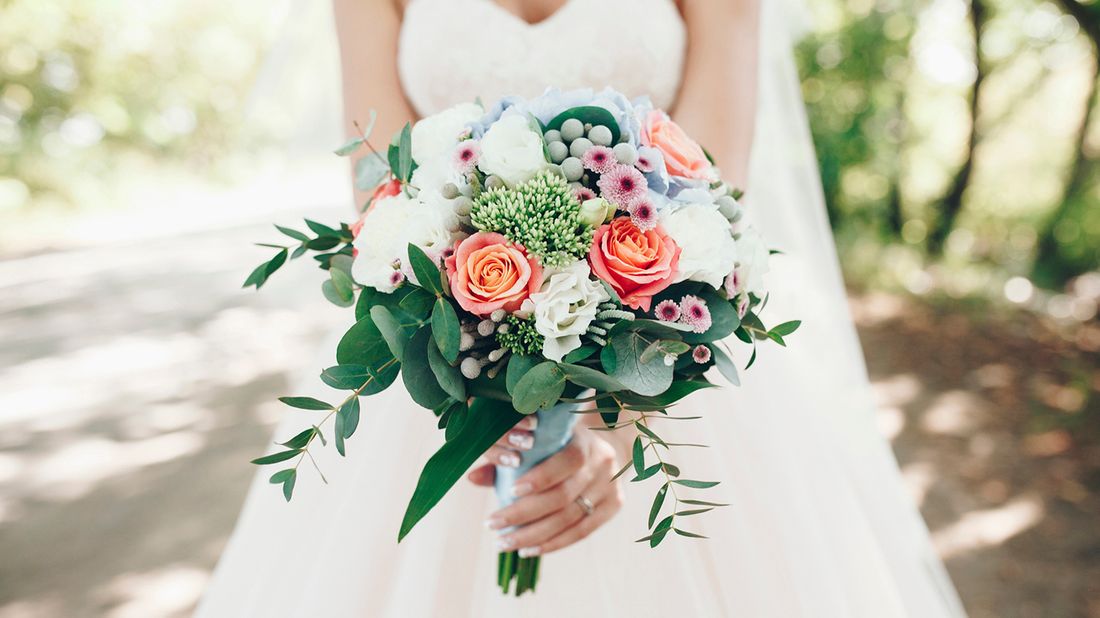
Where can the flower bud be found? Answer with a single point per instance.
(596, 211)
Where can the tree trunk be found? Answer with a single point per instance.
(951, 203)
(1050, 267)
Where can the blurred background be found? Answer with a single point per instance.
(144, 145)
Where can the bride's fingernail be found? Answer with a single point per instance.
(521, 441)
(529, 552)
(505, 544)
(509, 460)
(494, 523)
(521, 489)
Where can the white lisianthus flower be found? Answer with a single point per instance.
(565, 307)
(388, 228)
(752, 264)
(512, 151)
(437, 134)
(596, 211)
(707, 249)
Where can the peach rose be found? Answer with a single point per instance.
(637, 264)
(487, 273)
(389, 188)
(683, 156)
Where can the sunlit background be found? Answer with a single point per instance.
(144, 145)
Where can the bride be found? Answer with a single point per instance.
(818, 523)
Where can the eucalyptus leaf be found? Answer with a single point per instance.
(786, 328)
(299, 440)
(725, 364)
(322, 230)
(306, 403)
(288, 485)
(295, 234)
(585, 376)
(658, 502)
(696, 484)
(349, 147)
(350, 414)
(518, 366)
(345, 377)
(638, 455)
(540, 388)
(448, 376)
(426, 271)
(370, 171)
(446, 330)
(276, 457)
(404, 153)
(623, 359)
(417, 374)
(390, 330)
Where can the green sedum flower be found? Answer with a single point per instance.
(541, 214)
(520, 337)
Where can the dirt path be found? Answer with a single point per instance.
(137, 380)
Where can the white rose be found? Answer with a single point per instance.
(564, 308)
(752, 262)
(707, 249)
(512, 151)
(437, 134)
(393, 223)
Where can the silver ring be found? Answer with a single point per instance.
(586, 505)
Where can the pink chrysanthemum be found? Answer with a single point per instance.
(694, 313)
(466, 156)
(599, 159)
(667, 311)
(645, 163)
(583, 193)
(397, 278)
(701, 354)
(643, 214)
(731, 284)
(622, 185)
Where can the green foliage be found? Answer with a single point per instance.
(486, 422)
(77, 80)
(521, 337)
(540, 214)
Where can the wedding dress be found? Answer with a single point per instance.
(819, 523)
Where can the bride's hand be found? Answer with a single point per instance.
(549, 512)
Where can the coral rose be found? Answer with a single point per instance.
(487, 273)
(637, 264)
(683, 156)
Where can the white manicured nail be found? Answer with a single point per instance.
(521, 441)
(529, 552)
(509, 460)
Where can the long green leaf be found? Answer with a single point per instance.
(445, 329)
(487, 420)
(305, 403)
(427, 273)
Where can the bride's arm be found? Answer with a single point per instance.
(368, 31)
(717, 101)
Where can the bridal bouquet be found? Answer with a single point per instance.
(573, 253)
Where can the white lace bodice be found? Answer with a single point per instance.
(453, 51)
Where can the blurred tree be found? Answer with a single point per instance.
(854, 88)
(1069, 242)
(951, 203)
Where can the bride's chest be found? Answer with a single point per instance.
(455, 50)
